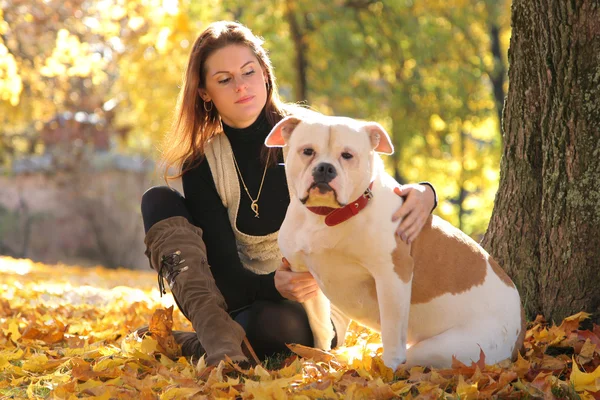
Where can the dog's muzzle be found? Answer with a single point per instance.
(322, 186)
(324, 172)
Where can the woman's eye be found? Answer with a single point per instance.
(224, 81)
(308, 152)
(249, 73)
(347, 156)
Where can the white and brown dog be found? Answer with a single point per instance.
(440, 296)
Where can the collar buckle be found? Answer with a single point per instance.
(368, 194)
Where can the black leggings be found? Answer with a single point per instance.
(269, 325)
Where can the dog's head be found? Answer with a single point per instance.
(331, 160)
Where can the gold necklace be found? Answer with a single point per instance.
(254, 204)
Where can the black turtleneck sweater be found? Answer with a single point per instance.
(239, 286)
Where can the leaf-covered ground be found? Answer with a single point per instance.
(65, 334)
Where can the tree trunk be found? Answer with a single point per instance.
(497, 76)
(545, 227)
(301, 86)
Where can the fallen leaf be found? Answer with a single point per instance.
(584, 381)
(310, 352)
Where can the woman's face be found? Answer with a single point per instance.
(235, 83)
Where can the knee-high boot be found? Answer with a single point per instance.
(176, 251)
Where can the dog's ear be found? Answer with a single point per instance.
(280, 134)
(380, 140)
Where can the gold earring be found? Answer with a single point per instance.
(208, 109)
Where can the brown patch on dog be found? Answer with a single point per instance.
(501, 273)
(521, 338)
(403, 262)
(446, 260)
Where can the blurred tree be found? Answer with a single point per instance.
(154, 41)
(427, 72)
(115, 64)
(432, 74)
(46, 70)
(546, 219)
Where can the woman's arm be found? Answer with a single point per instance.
(239, 286)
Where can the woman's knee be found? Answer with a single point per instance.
(269, 326)
(162, 202)
(158, 196)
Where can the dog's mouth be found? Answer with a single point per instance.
(322, 187)
(321, 194)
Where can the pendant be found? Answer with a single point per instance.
(254, 207)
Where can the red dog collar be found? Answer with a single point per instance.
(336, 216)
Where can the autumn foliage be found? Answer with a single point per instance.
(66, 333)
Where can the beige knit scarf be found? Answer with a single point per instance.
(259, 254)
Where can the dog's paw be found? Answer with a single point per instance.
(393, 361)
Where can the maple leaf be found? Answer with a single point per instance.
(161, 330)
(466, 390)
(584, 381)
(310, 352)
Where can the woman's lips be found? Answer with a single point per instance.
(245, 99)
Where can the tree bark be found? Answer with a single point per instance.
(497, 76)
(298, 37)
(545, 227)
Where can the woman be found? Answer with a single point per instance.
(217, 246)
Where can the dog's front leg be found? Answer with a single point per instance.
(393, 296)
(318, 310)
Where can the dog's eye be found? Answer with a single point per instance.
(347, 156)
(308, 151)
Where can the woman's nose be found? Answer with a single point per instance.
(240, 84)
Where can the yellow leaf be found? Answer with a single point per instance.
(264, 390)
(580, 316)
(379, 368)
(107, 395)
(262, 373)
(291, 370)
(148, 345)
(89, 384)
(466, 390)
(13, 329)
(401, 387)
(310, 352)
(426, 387)
(107, 363)
(12, 355)
(35, 363)
(327, 393)
(521, 366)
(30, 391)
(179, 393)
(589, 381)
(3, 363)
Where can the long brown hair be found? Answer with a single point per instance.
(193, 126)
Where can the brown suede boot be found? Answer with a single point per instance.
(176, 251)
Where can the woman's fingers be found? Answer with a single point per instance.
(307, 293)
(412, 212)
(300, 294)
(296, 286)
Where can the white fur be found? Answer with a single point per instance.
(352, 259)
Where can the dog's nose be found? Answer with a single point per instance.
(324, 172)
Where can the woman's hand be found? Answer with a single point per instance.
(296, 286)
(420, 200)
